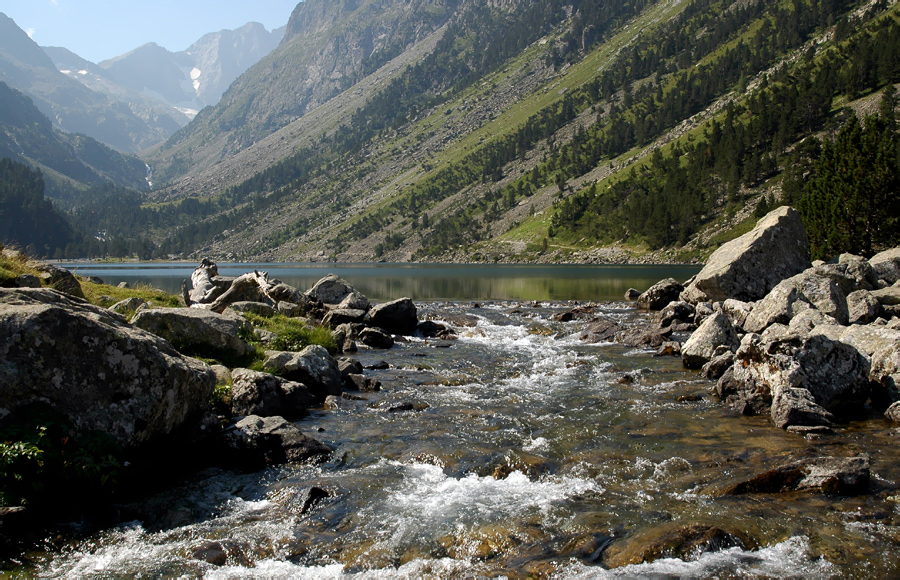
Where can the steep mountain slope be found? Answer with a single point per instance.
(194, 78)
(328, 47)
(525, 130)
(68, 103)
(70, 162)
(27, 219)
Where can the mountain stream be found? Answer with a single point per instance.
(515, 451)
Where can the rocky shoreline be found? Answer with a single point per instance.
(809, 345)
(129, 374)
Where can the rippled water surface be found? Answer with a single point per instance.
(527, 453)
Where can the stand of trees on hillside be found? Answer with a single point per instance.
(849, 195)
(27, 218)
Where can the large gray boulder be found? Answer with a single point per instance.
(886, 265)
(102, 373)
(57, 278)
(881, 348)
(256, 441)
(807, 378)
(889, 296)
(257, 308)
(339, 316)
(332, 291)
(748, 267)
(862, 307)
(715, 332)
(850, 272)
(256, 393)
(778, 307)
(793, 295)
(313, 366)
(197, 331)
(397, 317)
(376, 338)
(660, 294)
(355, 301)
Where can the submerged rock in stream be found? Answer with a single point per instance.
(254, 442)
(671, 541)
(832, 475)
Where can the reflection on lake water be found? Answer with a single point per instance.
(421, 281)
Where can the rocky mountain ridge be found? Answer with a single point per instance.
(135, 101)
(327, 48)
(196, 77)
(72, 106)
(478, 144)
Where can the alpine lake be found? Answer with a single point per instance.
(521, 452)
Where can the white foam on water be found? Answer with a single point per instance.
(430, 503)
(130, 550)
(119, 551)
(788, 559)
(278, 570)
(536, 444)
(531, 367)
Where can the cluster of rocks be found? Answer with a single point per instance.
(138, 380)
(354, 318)
(808, 344)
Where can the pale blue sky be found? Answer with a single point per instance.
(101, 29)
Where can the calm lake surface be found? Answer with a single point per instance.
(421, 281)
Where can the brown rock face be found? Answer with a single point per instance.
(670, 541)
(834, 475)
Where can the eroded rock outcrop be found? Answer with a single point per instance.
(807, 379)
(90, 365)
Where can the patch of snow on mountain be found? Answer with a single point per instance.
(189, 113)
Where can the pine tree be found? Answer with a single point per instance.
(852, 202)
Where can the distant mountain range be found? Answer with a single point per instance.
(137, 100)
(194, 78)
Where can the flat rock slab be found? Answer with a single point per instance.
(197, 331)
(832, 475)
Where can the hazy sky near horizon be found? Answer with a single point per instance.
(98, 30)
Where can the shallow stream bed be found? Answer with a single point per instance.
(515, 451)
